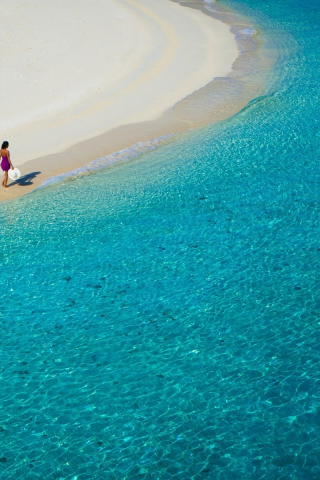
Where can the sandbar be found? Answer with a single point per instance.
(85, 79)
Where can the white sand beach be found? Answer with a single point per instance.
(84, 78)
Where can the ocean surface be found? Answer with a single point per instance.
(161, 319)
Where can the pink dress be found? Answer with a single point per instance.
(5, 165)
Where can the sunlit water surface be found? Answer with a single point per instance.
(161, 319)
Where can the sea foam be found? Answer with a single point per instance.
(122, 156)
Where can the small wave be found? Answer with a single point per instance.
(119, 157)
(248, 31)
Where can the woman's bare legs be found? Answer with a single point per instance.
(5, 180)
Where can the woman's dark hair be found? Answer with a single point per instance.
(5, 144)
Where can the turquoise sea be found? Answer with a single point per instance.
(161, 319)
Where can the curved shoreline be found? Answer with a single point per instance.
(224, 97)
(181, 116)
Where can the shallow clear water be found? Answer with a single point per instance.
(161, 319)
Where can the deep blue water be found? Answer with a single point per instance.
(161, 319)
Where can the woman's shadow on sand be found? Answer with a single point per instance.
(25, 180)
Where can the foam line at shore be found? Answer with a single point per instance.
(123, 156)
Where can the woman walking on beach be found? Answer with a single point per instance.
(5, 163)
